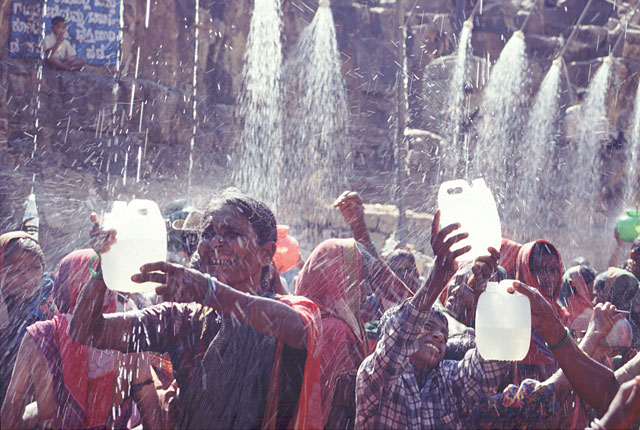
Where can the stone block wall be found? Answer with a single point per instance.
(88, 123)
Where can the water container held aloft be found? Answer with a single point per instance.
(141, 238)
(503, 323)
(629, 226)
(287, 250)
(475, 209)
(30, 220)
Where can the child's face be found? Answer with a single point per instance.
(59, 29)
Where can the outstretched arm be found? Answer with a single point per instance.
(352, 209)
(444, 266)
(267, 316)
(613, 260)
(88, 325)
(595, 383)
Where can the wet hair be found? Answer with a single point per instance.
(580, 261)
(386, 317)
(539, 250)
(257, 213)
(56, 20)
(397, 255)
(458, 345)
(587, 273)
(437, 312)
(25, 244)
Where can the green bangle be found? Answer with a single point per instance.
(94, 273)
(564, 340)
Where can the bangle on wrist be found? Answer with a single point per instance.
(95, 274)
(212, 291)
(564, 340)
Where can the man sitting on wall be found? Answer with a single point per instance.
(58, 51)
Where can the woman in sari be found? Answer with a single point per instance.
(21, 267)
(243, 357)
(332, 278)
(539, 265)
(75, 385)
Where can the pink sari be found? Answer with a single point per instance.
(332, 278)
(83, 377)
(509, 251)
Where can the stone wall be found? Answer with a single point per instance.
(88, 131)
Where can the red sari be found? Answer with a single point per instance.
(332, 278)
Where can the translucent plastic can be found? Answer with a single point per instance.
(503, 323)
(141, 238)
(475, 209)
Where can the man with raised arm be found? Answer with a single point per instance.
(405, 383)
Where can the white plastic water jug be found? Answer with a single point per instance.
(475, 209)
(503, 323)
(141, 238)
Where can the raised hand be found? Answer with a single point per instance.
(483, 269)
(603, 318)
(100, 239)
(351, 207)
(179, 284)
(616, 235)
(543, 318)
(445, 265)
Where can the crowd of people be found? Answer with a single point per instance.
(357, 339)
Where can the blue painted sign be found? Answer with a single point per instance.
(93, 28)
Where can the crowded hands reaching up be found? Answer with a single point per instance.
(221, 328)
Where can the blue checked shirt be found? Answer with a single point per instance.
(387, 391)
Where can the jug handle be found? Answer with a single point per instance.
(443, 192)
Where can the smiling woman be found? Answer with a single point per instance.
(234, 344)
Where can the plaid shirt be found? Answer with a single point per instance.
(387, 391)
